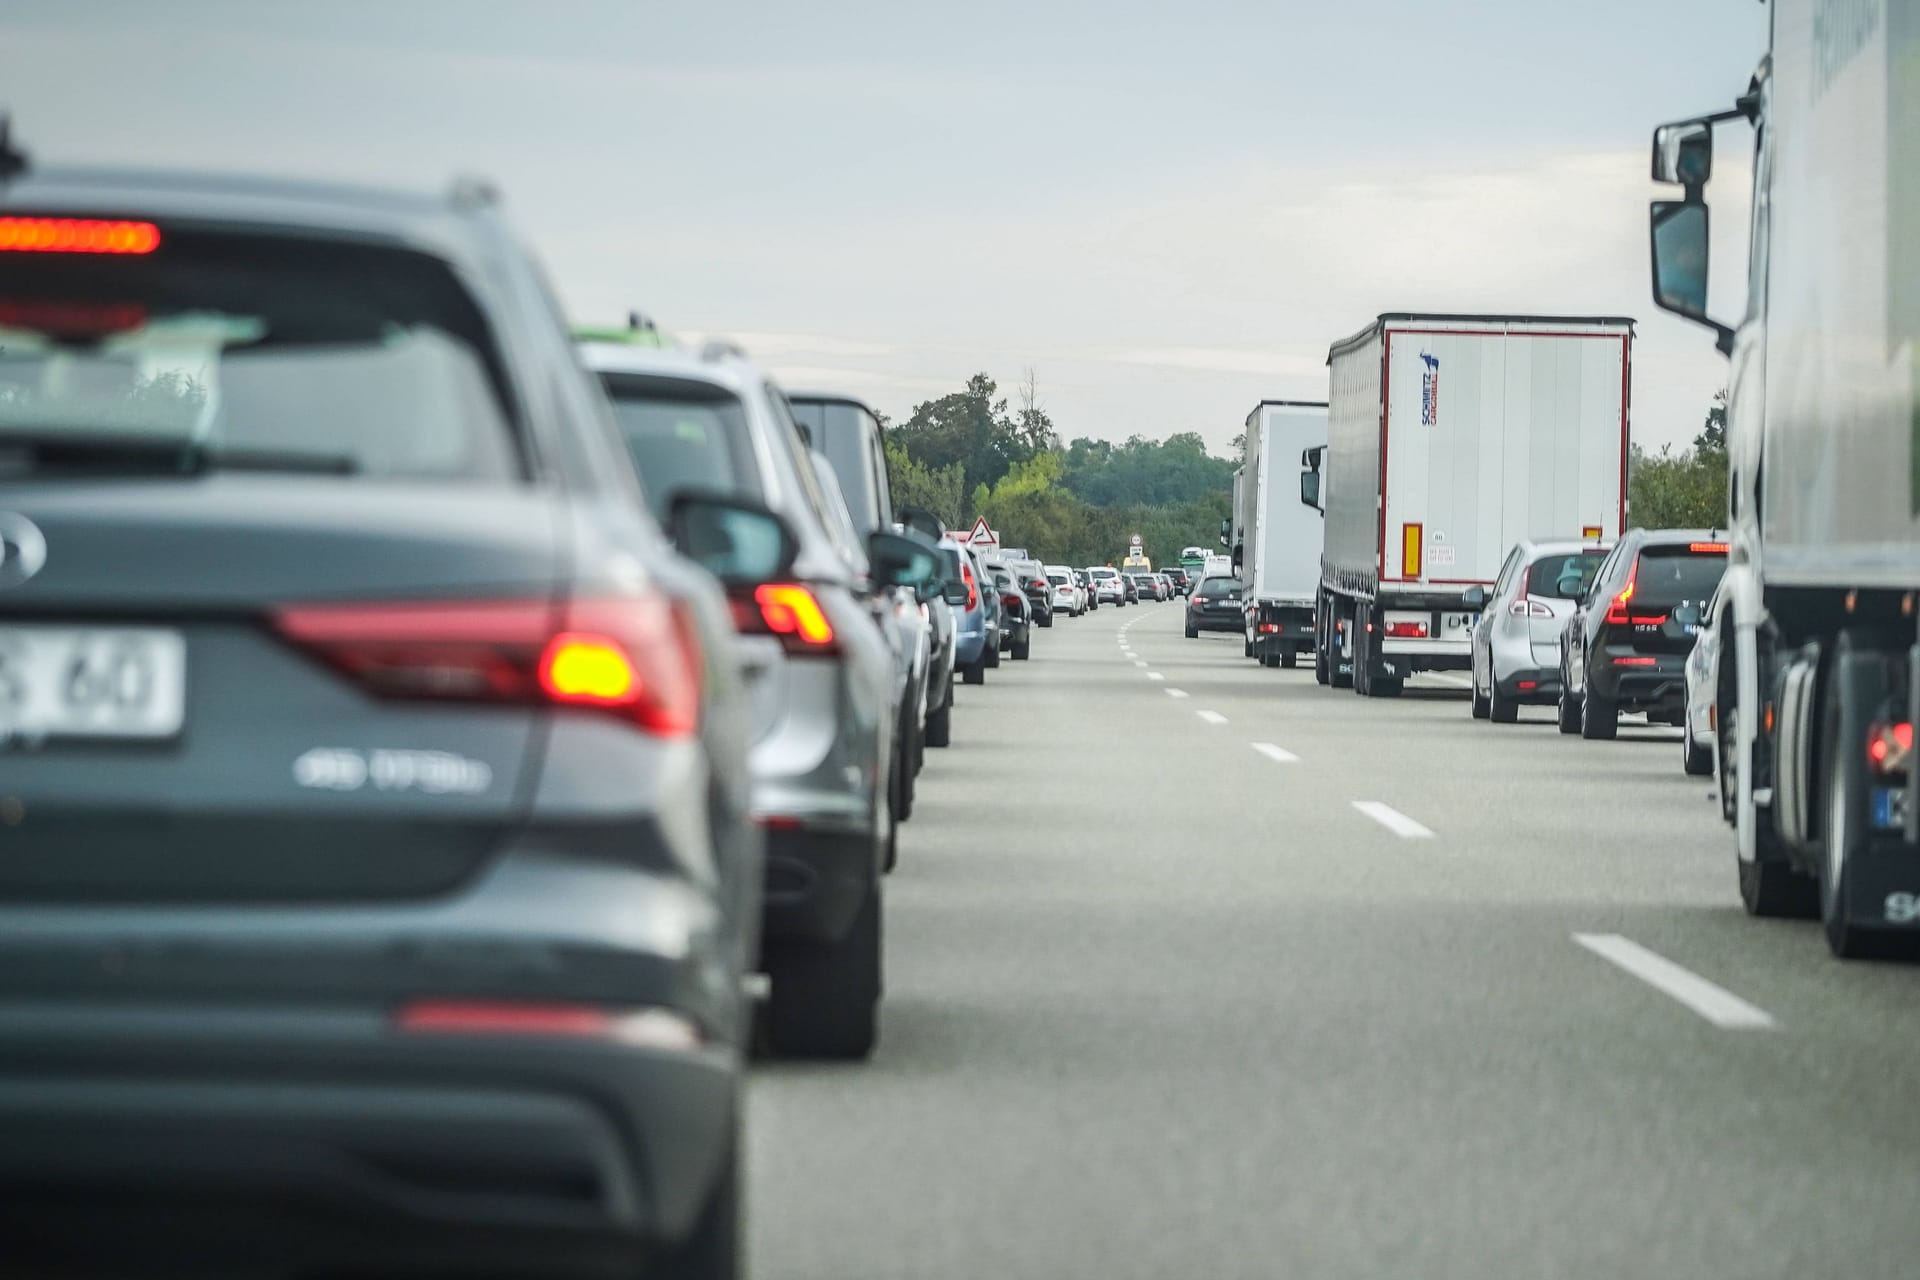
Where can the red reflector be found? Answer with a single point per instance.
(1526, 686)
(1634, 662)
(1407, 630)
(72, 319)
(1889, 746)
(77, 235)
(1269, 627)
(779, 822)
(1707, 548)
(481, 1017)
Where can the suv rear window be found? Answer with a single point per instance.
(1059, 579)
(1216, 587)
(683, 434)
(253, 351)
(1677, 572)
(1563, 576)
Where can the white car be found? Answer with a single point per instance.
(1107, 586)
(1067, 597)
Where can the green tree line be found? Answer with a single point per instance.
(967, 455)
(1684, 490)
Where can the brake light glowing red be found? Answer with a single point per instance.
(1617, 611)
(77, 235)
(973, 592)
(792, 610)
(1707, 548)
(1527, 686)
(1634, 661)
(1889, 746)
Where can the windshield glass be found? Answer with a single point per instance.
(683, 435)
(1563, 576)
(371, 360)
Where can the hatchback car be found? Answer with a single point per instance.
(965, 578)
(1067, 597)
(1108, 588)
(1516, 641)
(821, 675)
(1625, 646)
(383, 879)
(1018, 613)
(1215, 606)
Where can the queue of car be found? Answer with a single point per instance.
(439, 746)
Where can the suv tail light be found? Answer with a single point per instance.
(973, 592)
(1888, 747)
(635, 656)
(1617, 611)
(789, 611)
(1012, 601)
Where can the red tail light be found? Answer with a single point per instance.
(1012, 601)
(790, 611)
(973, 592)
(1617, 611)
(635, 656)
(647, 1028)
(1889, 746)
(1707, 548)
(77, 235)
(1406, 630)
(1635, 661)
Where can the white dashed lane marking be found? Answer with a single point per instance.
(1713, 1002)
(1279, 755)
(1176, 693)
(1211, 717)
(1393, 820)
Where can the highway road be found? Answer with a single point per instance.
(1199, 969)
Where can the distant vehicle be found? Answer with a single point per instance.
(1178, 578)
(1194, 561)
(1084, 581)
(1032, 577)
(387, 881)
(1702, 683)
(1215, 605)
(966, 578)
(1276, 549)
(1624, 647)
(1066, 592)
(1133, 563)
(1516, 642)
(1148, 586)
(1816, 694)
(1108, 584)
(1018, 611)
(1444, 448)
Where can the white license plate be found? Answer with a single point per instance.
(91, 682)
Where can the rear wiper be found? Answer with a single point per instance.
(122, 453)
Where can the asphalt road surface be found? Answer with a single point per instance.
(1199, 969)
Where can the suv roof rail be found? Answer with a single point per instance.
(13, 161)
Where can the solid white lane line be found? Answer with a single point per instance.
(1393, 820)
(1713, 1002)
(1176, 693)
(1279, 755)
(1155, 675)
(1211, 717)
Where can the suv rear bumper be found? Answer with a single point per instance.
(1660, 686)
(817, 880)
(323, 1138)
(1541, 686)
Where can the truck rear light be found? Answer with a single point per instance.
(641, 1028)
(1526, 686)
(1268, 628)
(1406, 631)
(635, 656)
(1888, 747)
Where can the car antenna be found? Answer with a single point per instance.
(13, 161)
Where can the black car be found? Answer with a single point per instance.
(1182, 584)
(379, 882)
(1038, 591)
(1016, 637)
(1215, 606)
(1625, 646)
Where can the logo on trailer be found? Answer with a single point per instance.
(1430, 390)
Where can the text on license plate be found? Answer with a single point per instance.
(91, 682)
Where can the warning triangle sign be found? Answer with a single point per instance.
(981, 535)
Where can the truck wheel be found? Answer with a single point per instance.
(825, 1001)
(1855, 687)
(1599, 719)
(940, 723)
(1500, 710)
(1569, 712)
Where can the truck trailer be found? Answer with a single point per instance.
(1449, 438)
(1818, 670)
(1276, 541)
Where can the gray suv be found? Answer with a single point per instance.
(820, 678)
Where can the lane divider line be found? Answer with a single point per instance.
(1155, 675)
(1211, 717)
(1711, 1001)
(1176, 693)
(1139, 662)
(1277, 754)
(1393, 820)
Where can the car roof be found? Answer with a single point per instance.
(1536, 548)
(731, 372)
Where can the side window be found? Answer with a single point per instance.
(802, 458)
(1504, 582)
(878, 453)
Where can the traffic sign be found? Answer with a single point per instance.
(982, 536)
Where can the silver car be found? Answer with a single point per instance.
(1700, 734)
(820, 677)
(1516, 639)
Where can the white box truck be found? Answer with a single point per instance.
(1276, 540)
(1449, 438)
(1818, 672)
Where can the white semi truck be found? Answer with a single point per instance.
(1449, 439)
(1818, 670)
(1276, 541)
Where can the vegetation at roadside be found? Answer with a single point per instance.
(1684, 490)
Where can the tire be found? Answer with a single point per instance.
(992, 655)
(1599, 719)
(1046, 619)
(712, 1249)
(1569, 717)
(903, 771)
(1335, 678)
(975, 672)
(1290, 659)
(1191, 633)
(1022, 647)
(825, 1001)
(1696, 761)
(940, 723)
(1273, 659)
(1855, 686)
(1480, 708)
(1500, 710)
(1322, 662)
(1246, 647)
(1770, 888)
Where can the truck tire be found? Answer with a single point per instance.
(1599, 719)
(825, 998)
(1856, 684)
(1770, 887)
(1500, 710)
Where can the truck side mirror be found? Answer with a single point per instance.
(1680, 254)
(1310, 490)
(1683, 153)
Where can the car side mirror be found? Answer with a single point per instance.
(738, 541)
(1474, 598)
(899, 561)
(1683, 153)
(954, 592)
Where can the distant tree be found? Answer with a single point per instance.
(914, 484)
(1713, 432)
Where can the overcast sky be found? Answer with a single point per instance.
(1168, 210)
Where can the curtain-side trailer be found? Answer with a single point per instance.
(1449, 438)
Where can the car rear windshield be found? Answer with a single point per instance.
(684, 435)
(1104, 573)
(260, 351)
(1219, 587)
(1059, 579)
(1676, 573)
(1563, 576)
